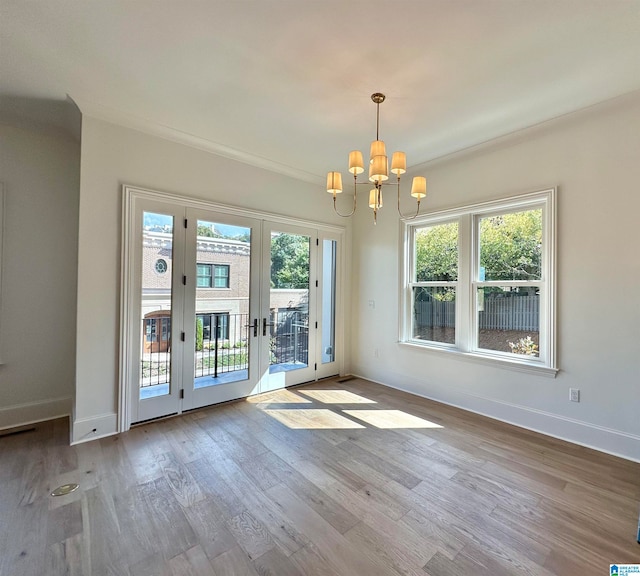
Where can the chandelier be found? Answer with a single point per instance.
(378, 173)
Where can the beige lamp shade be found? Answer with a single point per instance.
(377, 149)
(399, 163)
(373, 196)
(379, 169)
(334, 183)
(419, 187)
(356, 163)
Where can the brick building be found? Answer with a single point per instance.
(222, 288)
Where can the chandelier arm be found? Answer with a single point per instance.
(402, 216)
(355, 203)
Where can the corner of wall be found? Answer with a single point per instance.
(95, 427)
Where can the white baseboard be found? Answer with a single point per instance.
(87, 429)
(600, 438)
(32, 412)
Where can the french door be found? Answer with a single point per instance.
(288, 305)
(220, 305)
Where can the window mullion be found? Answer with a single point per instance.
(464, 311)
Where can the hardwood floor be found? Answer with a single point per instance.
(330, 479)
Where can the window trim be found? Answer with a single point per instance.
(468, 261)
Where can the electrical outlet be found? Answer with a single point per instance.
(372, 304)
(574, 394)
(376, 354)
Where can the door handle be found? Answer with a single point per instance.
(254, 326)
(264, 326)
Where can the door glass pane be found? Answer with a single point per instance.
(157, 268)
(222, 303)
(329, 248)
(509, 319)
(289, 302)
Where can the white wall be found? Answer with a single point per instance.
(112, 156)
(593, 157)
(40, 170)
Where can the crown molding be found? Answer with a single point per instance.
(120, 118)
(527, 132)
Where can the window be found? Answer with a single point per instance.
(161, 266)
(479, 280)
(434, 282)
(221, 276)
(204, 276)
(212, 276)
(209, 323)
(154, 327)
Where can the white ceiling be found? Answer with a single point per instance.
(286, 83)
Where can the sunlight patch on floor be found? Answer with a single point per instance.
(391, 419)
(312, 419)
(279, 397)
(336, 397)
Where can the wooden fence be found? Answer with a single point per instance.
(511, 313)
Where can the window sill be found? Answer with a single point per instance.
(487, 360)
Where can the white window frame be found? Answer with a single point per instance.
(466, 345)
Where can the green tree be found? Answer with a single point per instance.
(246, 237)
(511, 246)
(510, 249)
(437, 253)
(207, 231)
(289, 261)
(199, 335)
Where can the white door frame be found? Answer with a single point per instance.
(273, 381)
(129, 313)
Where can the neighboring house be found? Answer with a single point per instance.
(222, 290)
(222, 285)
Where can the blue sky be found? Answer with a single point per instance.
(154, 219)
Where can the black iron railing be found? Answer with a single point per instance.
(289, 336)
(224, 345)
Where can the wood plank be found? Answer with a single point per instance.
(340, 518)
(208, 522)
(64, 522)
(393, 551)
(274, 563)
(65, 558)
(166, 520)
(251, 535)
(193, 562)
(233, 563)
(310, 563)
(328, 542)
(182, 484)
